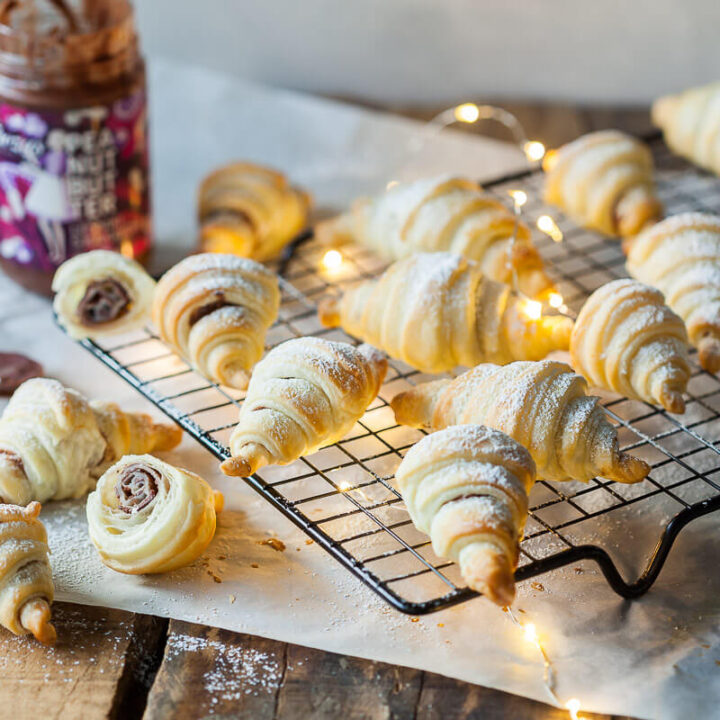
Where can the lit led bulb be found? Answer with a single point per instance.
(530, 631)
(391, 184)
(467, 113)
(573, 707)
(344, 486)
(533, 310)
(534, 150)
(547, 225)
(332, 260)
(519, 197)
(555, 300)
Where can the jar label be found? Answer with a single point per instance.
(73, 181)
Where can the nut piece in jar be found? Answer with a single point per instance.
(249, 210)
(101, 293)
(147, 516)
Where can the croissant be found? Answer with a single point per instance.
(101, 293)
(54, 443)
(681, 257)
(467, 487)
(306, 393)
(435, 311)
(541, 405)
(26, 585)
(248, 210)
(627, 340)
(690, 122)
(215, 310)
(603, 180)
(445, 214)
(147, 516)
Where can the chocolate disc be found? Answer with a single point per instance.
(15, 369)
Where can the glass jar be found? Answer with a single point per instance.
(74, 167)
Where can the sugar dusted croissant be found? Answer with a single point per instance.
(604, 181)
(542, 405)
(26, 585)
(435, 311)
(147, 516)
(690, 122)
(249, 210)
(306, 393)
(445, 214)
(54, 443)
(101, 293)
(627, 340)
(681, 257)
(215, 310)
(467, 487)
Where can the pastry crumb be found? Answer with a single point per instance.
(537, 586)
(274, 543)
(414, 619)
(309, 542)
(254, 565)
(231, 599)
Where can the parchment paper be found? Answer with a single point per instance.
(657, 657)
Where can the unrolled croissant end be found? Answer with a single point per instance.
(168, 437)
(415, 407)
(626, 469)
(671, 400)
(489, 572)
(329, 312)
(709, 353)
(250, 459)
(35, 618)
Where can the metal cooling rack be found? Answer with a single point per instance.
(343, 496)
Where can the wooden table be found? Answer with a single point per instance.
(115, 664)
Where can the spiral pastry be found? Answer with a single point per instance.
(542, 405)
(305, 394)
(26, 585)
(680, 256)
(147, 516)
(627, 340)
(604, 181)
(101, 293)
(249, 210)
(215, 310)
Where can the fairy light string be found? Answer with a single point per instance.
(470, 113)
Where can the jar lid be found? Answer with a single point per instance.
(59, 42)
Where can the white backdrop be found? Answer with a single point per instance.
(433, 51)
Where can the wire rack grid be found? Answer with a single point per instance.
(343, 496)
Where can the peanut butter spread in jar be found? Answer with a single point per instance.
(74, 172)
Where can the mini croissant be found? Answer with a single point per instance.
(604, 181)
(445, 214)
(249, 210)
(436, 311)
(26, 584)
(627, 340)
(690, 122)
(306, 393)
(541, 405)
(467, 487)
(215, 310)
(681, 257)
(54, 444)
